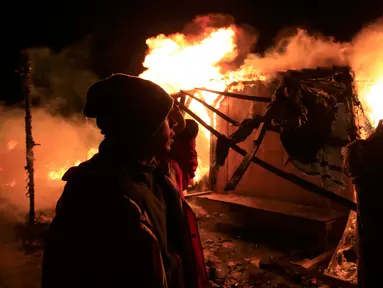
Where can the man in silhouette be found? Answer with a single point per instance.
(121, 222)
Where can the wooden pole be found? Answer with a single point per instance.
(24, 72)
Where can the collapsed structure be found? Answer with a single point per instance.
(312, 110)
(305, 110)
(315, 113)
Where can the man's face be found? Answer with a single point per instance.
(164, 137)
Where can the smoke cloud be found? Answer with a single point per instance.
(303, 50)
(60, 80)
(364, 55)
(58, 85)
(300, 51)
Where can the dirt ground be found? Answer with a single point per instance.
(231, 260)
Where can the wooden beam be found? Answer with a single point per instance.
(211, 108)
(238, 96)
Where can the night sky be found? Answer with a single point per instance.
(121, 27)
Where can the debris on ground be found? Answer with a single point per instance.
(231, 260)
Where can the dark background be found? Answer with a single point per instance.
(120, 28)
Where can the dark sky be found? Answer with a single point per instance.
(120, 27)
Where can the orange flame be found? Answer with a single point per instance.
(372, 100)
(12, 144)
(367, 63)
(57, 174)
(182, 62)
(179, 62)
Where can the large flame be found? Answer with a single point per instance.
(367, 62)
(177, 62)
(180, 62)
(183, 62)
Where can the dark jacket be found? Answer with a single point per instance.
(118, 225)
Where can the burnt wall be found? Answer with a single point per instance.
(258, 182)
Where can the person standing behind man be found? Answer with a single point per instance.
(183, 156)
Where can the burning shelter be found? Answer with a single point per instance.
(296, 132)
(270, 147)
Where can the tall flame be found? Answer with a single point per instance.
(372, 99)
(367, 63)
(178, 62)
(181, 62)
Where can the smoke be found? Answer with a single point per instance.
(58, 86)
(368, 48)
(303, 50)
(300, 51)
(60, 80)
(364, 55)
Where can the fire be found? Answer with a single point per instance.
(367, 63)
(184, 62)
(12, 144)
(181, 62)
(10, 184)
(57, 174)
(371, 95)
(374, 101)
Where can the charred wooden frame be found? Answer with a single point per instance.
(263, 124)
(287, 176)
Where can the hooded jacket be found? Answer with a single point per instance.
(120, 225)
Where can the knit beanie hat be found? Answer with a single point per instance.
(127, 106)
